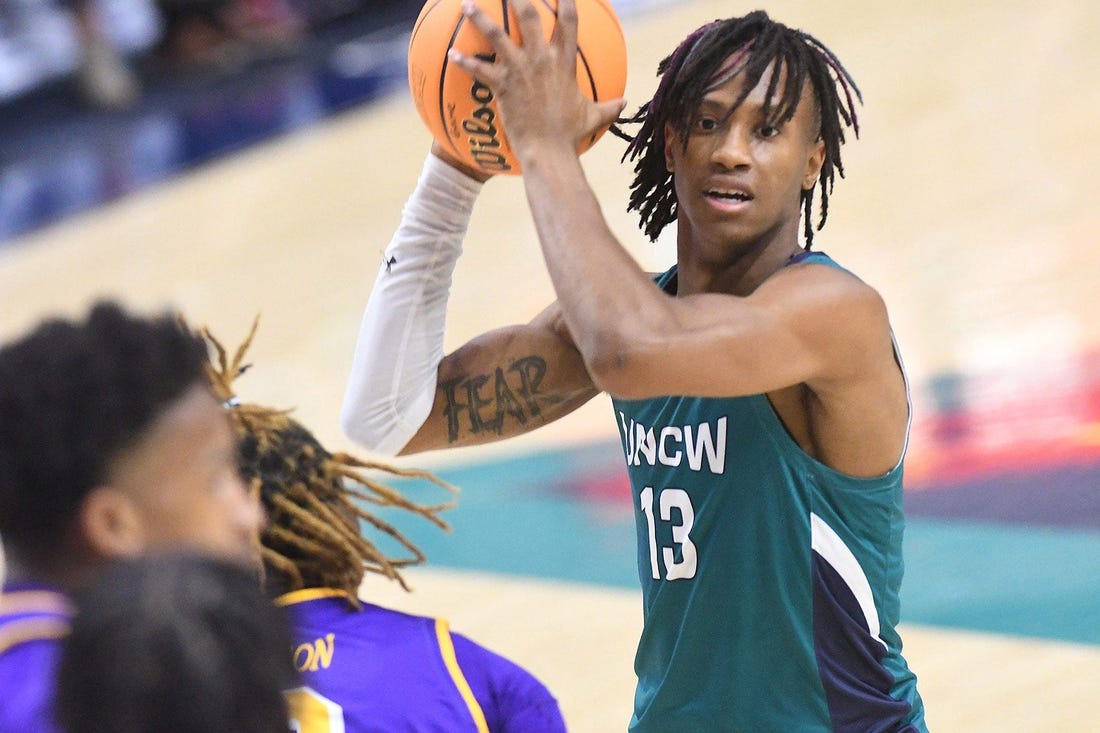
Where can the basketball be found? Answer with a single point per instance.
(461, 113)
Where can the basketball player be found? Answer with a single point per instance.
(175, 644)
(363, 667)
(759, 395)
(111, 446)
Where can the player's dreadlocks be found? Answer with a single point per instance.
(312, 538)
(753, 44)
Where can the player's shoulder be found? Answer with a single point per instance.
(395, 616)
(33, 617)
(398, 623)
(831, 280)
(839, 316)
(332, 603)
(29, 599)
(820, 264)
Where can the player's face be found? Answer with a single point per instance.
(182, 481)
(740, 179)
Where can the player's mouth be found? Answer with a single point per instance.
(728, 197)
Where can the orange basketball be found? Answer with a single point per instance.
(461, 113)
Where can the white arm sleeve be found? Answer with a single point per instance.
(393, 375)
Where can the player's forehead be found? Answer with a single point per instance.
(733, 85)
(191, 432)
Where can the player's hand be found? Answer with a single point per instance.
(445, 155)
(535, 85)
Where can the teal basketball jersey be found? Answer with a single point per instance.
(769, 581)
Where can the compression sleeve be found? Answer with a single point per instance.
(513, 699)
(393, 376)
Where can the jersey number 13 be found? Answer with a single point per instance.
(668, 499)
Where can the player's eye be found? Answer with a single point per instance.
(768, 131)
(706, 124)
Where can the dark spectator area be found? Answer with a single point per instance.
(101, 97)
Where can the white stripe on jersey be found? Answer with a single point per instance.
(827, 543)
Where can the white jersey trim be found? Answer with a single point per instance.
(827, 543)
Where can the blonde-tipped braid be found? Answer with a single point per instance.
(314, 499)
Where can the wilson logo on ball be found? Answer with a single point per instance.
(461, 113)
(484, 140)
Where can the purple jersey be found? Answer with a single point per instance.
(33, 621)
(375, 669)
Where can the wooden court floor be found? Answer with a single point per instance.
(968, 202)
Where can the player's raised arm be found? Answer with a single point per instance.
(403, 395)
(504, 383)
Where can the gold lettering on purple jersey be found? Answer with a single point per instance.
(311, 656)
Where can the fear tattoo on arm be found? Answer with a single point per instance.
(480, 402)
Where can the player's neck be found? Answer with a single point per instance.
(734, 267)
(736, 272)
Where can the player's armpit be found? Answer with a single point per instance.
(505, 383)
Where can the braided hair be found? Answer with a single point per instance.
(313, 498)
(752, 44)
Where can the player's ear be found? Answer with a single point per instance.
(671, 137)
(814, 162)
(111, 524)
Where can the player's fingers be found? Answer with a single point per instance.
(565, 30)
(608, 112)
(486, 72)
(530, 23)
(493, 33)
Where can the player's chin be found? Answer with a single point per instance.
(730, 228)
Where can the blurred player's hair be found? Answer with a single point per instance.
(175, 644)
(73, 396)
(315, 500)
(756, 43)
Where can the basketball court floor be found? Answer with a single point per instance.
(968, 202)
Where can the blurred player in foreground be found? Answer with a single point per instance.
(175, 644)
(111, 446)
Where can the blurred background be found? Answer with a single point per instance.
(102, 97)
(235, 157)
